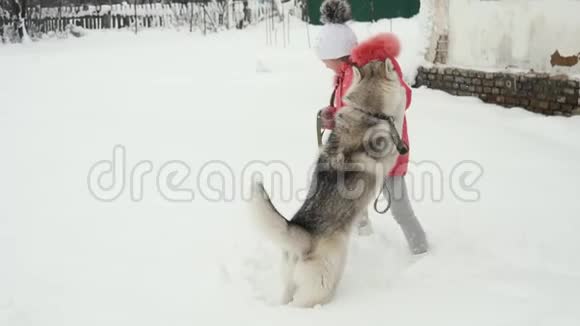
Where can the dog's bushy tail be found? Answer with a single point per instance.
(274, 226)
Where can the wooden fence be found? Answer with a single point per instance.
(204, 17)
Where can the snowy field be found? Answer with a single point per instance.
(502, 214)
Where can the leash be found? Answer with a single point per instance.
(388, 197)
(319, 130)
(320, 134)
(402, 148)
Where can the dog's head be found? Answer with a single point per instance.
(376, 88)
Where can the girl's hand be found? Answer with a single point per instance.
(327, 117)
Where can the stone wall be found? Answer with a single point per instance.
(536, 92)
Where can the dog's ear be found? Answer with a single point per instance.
(389, 66)
(390, 71)
(357, 73)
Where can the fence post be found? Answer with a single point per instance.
(267, 24)
(57, 27)
(284, 29)
(190, 16)
(135, 16)
(204, 20)
(2, 29)
(308, 31)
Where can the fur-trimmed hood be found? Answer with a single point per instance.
(380, 47)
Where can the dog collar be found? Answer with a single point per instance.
(380, 116)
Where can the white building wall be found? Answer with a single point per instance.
(513, 33)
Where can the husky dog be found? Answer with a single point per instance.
(349, 173)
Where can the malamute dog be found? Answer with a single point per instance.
(349, 173)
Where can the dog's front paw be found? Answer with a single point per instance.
(337, 161)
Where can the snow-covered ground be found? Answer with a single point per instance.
(507, 256)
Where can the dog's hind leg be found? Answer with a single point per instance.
(288, 266)
(318, 276)
(314, 284)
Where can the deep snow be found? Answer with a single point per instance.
(507, 258)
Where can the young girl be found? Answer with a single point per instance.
(337, 48)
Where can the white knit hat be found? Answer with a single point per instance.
(335, 39)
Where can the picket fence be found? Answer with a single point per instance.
(204, 17)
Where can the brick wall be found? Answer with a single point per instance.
(541, 93)
(442, 49)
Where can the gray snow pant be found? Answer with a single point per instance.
(403, 214)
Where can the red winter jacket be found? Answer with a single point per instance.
(380, 47)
